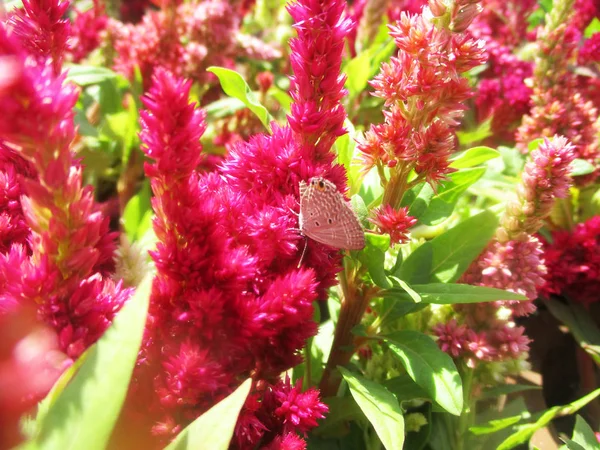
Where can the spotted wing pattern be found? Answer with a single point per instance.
(327, 217)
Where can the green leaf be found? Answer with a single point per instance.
(136, 211)
(344, 147)
(379, 406)
(452, 294)
(483, 130)
(584, 435)
(223, 107)
(358, 71)
(405, 389)
(214, 427)
(414, 295)
(282, 97)
(505, 389)
(429, 367)
(580, 324)
(9, 5)
(592, 28)
(581, 167)
(537, 17)
(373, 258)
(525, 432)
(84, 414)
(442, 205)
(234, 85)
(341, 411)
(445, 258)
(495, 425)
(473, 157)
(87, 75)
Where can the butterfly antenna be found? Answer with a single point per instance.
(303, 252)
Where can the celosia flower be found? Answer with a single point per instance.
(510, 342)
(559, 107)
(317, 86)
(590, 50)
(87, 28)
(424, 92)
(229, 300)
(573, 261)
(71, 245)
(394, 222)
(186, 40)
(516, 266)
(544, 178)
(452, 338)
(43, 30)
(13, 226)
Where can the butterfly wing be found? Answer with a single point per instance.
(327, 218)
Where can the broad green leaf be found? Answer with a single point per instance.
(513, 160)
(282, 97)
(344, 147)
(592, 28)
(341, 411)
(505, 389)
(483, 130)
(370, 188)
(580, 324)
(405, 389)
(584, 435)
(379, 406)
(223, 107)
(135, 213)
(373, 258)
(215, 427)
(234, 85)
(361, 210)
(442, 204)
(429, 367)
(473, 157)
(445, 258)
(86, 75)
(495, 425)
(525, 432)
(572, 445)
(581, 167)
(452, 294)
(537, 16)
(414, 295)
(43, 407)
(84, 414)
(358, 72)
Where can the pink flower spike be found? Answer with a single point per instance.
(43, 31)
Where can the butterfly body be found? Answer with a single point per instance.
(327, 217)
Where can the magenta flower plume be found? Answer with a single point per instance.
(395, 222)
(544, 178)
(87, 29)
(43, 30)
(317, 86)
(573, 261)
(228, 301)
(71, 246)
(13, 225)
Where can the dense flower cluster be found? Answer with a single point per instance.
(87, 30)
(186, 40)
(229, 301)
(559, 106)
(424, 93)
(394, 222)
(513, 261)
(70, 254)
(573, 261)
(544, 179)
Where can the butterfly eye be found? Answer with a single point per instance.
(321, 186)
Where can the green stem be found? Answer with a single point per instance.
(466, 417)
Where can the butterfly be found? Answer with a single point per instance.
(327, 217)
